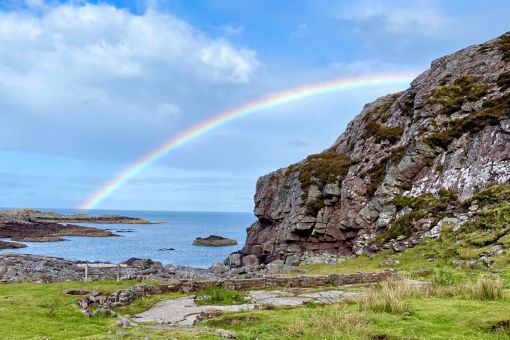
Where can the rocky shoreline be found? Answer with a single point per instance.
(29, 225)
(36, 216)
(35, 268)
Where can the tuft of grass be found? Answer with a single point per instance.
(486, 288)
(388, 296)
(220, 296)
(336, 321)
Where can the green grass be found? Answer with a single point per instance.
(220, 296)
(431, 318)
(44, 311)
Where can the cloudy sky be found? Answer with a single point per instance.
(87, 87)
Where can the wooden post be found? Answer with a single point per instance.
(86, 272)
(118, 273)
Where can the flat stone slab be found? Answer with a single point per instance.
(185, 312)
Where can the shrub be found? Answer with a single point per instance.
(382, 132)
(443, 277)
(453, 96)
(489, 115)
(220, 296)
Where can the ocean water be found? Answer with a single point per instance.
(177, 230)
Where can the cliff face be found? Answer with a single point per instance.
(447, 135)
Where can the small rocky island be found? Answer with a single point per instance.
(28, 225)
(214, 241)
(33, 215)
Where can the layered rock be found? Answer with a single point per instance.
(450, 131)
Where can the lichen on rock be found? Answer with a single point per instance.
(448, 133)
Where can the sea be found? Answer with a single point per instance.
(169, 241)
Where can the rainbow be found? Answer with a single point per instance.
(223, 118)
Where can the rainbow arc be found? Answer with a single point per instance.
(202, 128)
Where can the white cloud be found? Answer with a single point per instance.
(80, 69)
(399, 18)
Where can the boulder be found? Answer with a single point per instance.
(250, 260)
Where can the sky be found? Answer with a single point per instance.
(88, 87)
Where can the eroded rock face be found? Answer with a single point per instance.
(449, 130)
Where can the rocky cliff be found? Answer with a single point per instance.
(401, 169)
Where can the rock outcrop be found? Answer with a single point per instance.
(29, 225)
(37, 216)
(447, 136)
(48, 232)
(214, 241)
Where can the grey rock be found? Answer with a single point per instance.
(250, 260)
(348, 212)
(234, 260)
(292, 260)
(389, 262)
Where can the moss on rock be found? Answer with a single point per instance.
(489, 115)
(320, 169)
(453, 96)
(426, 205)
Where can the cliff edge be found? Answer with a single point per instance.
(403, 168)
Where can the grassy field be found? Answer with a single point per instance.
(44, 311)
(456, 306)
(430, 318)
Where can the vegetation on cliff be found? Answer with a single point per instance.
(320, 169)
(452, 96)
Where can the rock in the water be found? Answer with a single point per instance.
(11, 245)
(214, 241)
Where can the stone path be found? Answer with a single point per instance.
(184, 311)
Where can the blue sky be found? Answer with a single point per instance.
(88, 87)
